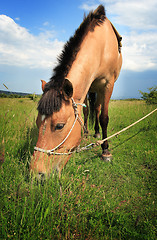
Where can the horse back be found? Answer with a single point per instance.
(109, 55)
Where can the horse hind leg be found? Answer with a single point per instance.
(95, 107)
(97, 113)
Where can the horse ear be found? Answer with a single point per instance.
(43, 84)
(67, 89)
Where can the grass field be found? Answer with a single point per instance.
(99, 200)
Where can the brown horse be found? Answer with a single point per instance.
(91, 61)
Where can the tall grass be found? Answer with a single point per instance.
(99, 200)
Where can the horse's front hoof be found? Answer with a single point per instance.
(106, 156)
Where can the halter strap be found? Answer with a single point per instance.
(50, 152)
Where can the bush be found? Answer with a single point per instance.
(3, 95)
(151, 97)
(33, 97)
(12, 95)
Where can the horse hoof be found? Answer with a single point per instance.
(97, 135)
(107, 156)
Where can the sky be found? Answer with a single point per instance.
(33, 33)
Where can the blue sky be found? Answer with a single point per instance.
(33, 32)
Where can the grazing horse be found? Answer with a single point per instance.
(90, 62)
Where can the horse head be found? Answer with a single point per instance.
(59, 128)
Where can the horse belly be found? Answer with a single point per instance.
(98, 84)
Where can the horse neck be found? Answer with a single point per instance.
(84, 68)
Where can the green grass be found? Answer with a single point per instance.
(99, 200)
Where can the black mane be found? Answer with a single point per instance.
(51, 100)
(72, 47)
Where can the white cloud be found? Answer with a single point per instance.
(88, 7)
(139, 53)
(135, 14)
(138, 19)
(18, 47)
(46, 23)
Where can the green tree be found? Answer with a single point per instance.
(151, 96)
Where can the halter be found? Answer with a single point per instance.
(50, 152)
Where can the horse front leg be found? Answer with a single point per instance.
(104, 119)
(106, 155)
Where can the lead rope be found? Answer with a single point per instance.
(99, 142)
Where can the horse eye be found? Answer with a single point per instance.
(59, 126)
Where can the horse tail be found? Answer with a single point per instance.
(92, 100)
